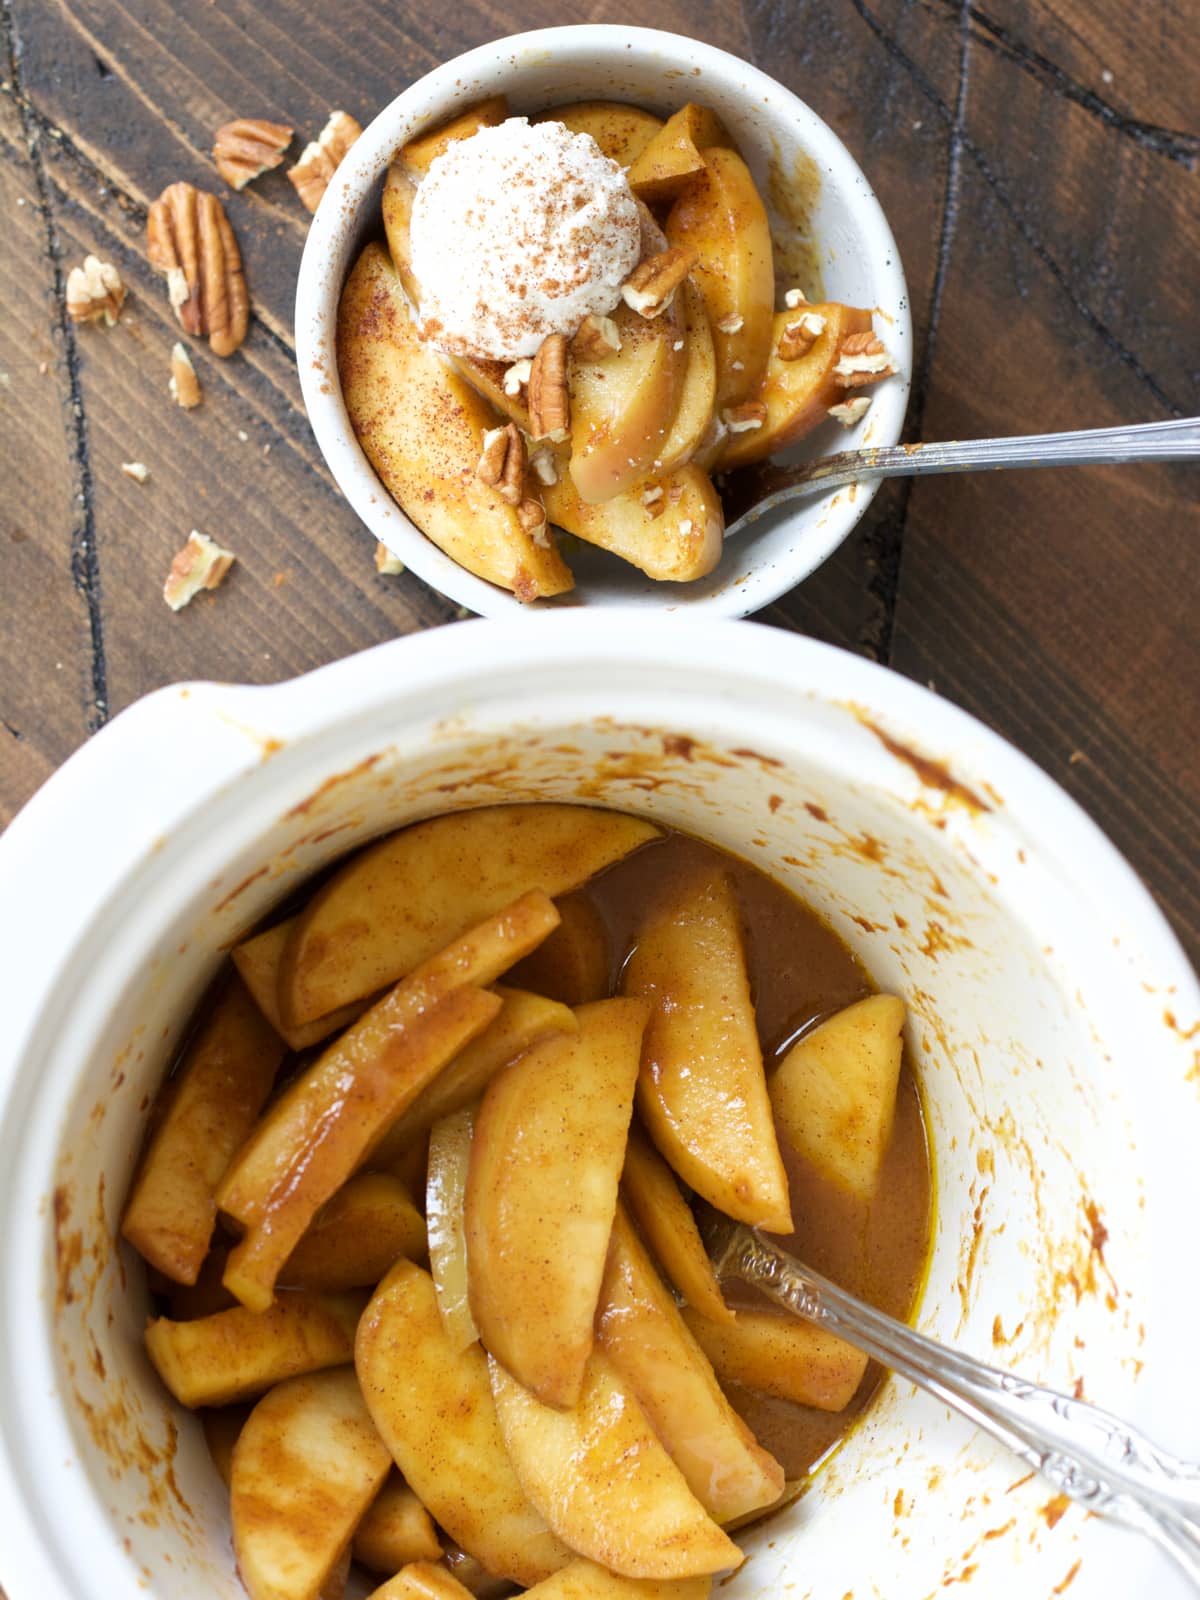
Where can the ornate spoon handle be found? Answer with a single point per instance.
(1087, 1454)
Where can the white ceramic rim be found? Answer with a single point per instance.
(317, 294)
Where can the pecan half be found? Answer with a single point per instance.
(247, 147)
(650, 287)
(549, 400)
(862, 358)
(184, 385)
(189, 239)
(320, 160)
(503, 463)
(95, 290)
(800, 336)
(201, 564)
(595, 339)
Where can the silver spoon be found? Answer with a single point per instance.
(1146, 441)
(1087, 1454)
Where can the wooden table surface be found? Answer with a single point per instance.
(1038, 163)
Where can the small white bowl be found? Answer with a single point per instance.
(790, 150)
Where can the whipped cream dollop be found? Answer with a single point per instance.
(519, 232)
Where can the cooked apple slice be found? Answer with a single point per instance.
(721, 217)
(474, 1576)
(434, 1408)
(584, 1580)
(356, 1236)
(445, 1198)
(235, 1355)
(621, 131)
(542, 1184)
(640, 1329)
(322, 1126)
(604, 1483)
(675, 154)
(205, 1297)
(421, 1580)
(669, 1228)
(698, 395)
(406, 896)
(523, 1019)
(396, 1529)
(781, 1356)
(419, 154)
(702, 1093)
(305, 1468)
(421, 427)
(257, 960)
(573, 964)
(797, 394)
(834, 1093)
(222, 1426)
(211, 1102)
(675, 536)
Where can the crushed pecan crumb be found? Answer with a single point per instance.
(744, 418)
(320, 160)
(531, 514)
(386, 564)
(184, 385)
(650, 287)
(595, 339)
(137, 470)
(503, 463)
(95, 290)
(189, 238)
(517, 376)
(862, 358)
(851, 411)
(549, 401)
(543, 464)
(799, 337)
(201, 564)
(731, 324)
(794, 298)
(247, 147)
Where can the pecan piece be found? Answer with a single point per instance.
(745, 418)
(800, 336)
(549, 400)
(201, 564)
(862, 358)
(386, 564)
(531, 514)
(595, 339)
(189, 239)
(247, 147)
(95, 290)
(320, 160)
(184, 385)
(851, 411)
(503, 462)
(650, 287)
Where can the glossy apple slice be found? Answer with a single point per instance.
(697, 397)
(433, 1406)
(781, 1356)
(675, 536)
(445, 1200)
(640, 1329)
(675, 154)
(421, 1580)
(622, 131)
(306, 1466)
(545, 1164)
(257, 961)
(669, 1228)
(584, 1580)
(573, 964)
(603, 1481)
(834, 1093)
(419, 154)
(702, 1093)
(356, 1236)
(395, 1530)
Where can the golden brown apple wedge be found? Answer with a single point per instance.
(834, 1093)
(604, 1483)
(419, 154)
(721, 217)
(697, 397)
(211, 1102)
(640, 1329)
(573, 964)
(445, 1200)
(797, 394)
(205, 1297)
(235, 1355)
(222, 1426)
(622, 131)
(474, 1576)
(306, 1466)
(323, 1125)
(421, 1580)
(356, 1236)
(675, 536)
(404, 897)
(542, 1183)
(584, 1580)
(523, 1019)
(781, 1356)
(257, 961)
(669, 1228)
(675, 154)
(421, 427)
(702, 1092)
(434, 1409)
(395, 1530)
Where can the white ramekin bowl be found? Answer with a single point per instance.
(1050, 1014)
(788, 147)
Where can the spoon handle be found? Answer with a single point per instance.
(1087, 1454)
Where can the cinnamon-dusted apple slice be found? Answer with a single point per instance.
(422, 429)
(602, 1480)
(235, 1355)
(306, 1466)
(433, 1406)
(257, 960)
(640, 1329)
(474, 1576)
(672, 527)
(445, 1202)
(356, 1236)
(797, 393)
(419, 154)
(401, 899)
(720, 216)
(702, 1092)
(421, 1580)
(834, 1093)
(584, 1580)
(669, 1228)
(545, 1164)
(697, 398)
(395, 1530)
(573, 964)
(211, 1102)
(523, 1019)
(675, 154)
(621, 131)
(222, 1425)
(781, 1356)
